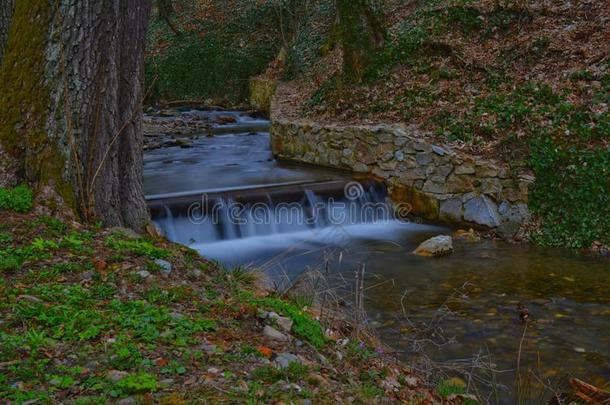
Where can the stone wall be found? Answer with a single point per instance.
(438, 182)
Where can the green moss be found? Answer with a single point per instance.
(24, 99)
(22, 93)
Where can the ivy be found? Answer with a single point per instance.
(571, 194)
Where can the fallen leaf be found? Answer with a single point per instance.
(265, 351)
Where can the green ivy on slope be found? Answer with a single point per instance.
(571, 195)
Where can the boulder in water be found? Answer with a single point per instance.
(438, 246)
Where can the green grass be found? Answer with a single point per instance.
(140, 247)
(304, 326)
(19, 199)
(295, 372)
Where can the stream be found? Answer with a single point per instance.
(227, 197)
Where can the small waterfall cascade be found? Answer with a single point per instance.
(251, 213)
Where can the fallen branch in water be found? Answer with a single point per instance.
(589, 393)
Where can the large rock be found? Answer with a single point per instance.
(483, 211)
(508, 230)
(516, 212)
(451, 210)
(437, 246)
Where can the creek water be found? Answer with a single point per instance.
(227, 197)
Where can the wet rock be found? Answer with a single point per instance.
(483, 211)
(437, 246)
(184, 143)
(513, 212)
(284, 359)
(508, 230)
(451, 210)
(169, 143)
(87, 275)
(468, 236)
(226, 119)
(274, 334)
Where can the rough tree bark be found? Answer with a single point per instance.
(71, 89)
(6, 13)
(362, 33)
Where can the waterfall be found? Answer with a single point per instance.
(241, 214)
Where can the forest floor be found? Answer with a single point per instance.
(487, 76)
(92, 316)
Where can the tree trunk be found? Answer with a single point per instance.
(362, 33)
(72, 85)
(6, 14)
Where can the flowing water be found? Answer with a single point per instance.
(228, 198)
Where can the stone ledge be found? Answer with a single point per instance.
(437, 181)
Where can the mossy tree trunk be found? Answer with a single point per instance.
(6, 14)
(71, 91)
(362, 33)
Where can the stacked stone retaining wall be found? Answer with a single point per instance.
(438, 182)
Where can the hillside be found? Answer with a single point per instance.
(525, 82)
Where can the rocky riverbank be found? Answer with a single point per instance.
(179, 126)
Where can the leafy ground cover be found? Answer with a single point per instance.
(94, 316)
